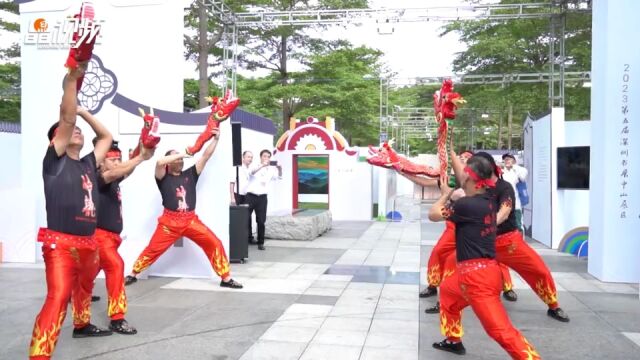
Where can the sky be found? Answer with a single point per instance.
(413, 49)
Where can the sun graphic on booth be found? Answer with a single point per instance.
(313, 135)
(310, 142)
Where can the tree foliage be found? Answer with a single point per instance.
(10, 69)
(519, 46)
(10, 92)
(272, 47)
(340, 83)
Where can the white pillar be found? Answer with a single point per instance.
(614, 243)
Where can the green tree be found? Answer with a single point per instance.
(343, 84)
(519, 46)
(192, 95)
(272, 47)
(10, 69)
(203, 44)
(10, 92)
(340, 83)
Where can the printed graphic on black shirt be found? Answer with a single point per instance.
(181, 194)
(89, 209)
(179, 191)
(71, 193)
(475, 219)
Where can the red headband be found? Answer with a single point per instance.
(480, 182)
(113, 154)
(498, 171)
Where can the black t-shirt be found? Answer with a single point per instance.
(475, 219)
(110, 206)
(179, 192)
(70, 191)
(503, 194)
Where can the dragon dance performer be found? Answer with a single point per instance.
(437, 267)
(178, 190)
(69, 246)
(477, 280)
(514, 252)
(112, 171)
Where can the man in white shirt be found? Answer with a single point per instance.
(260, 177)
(239, 193)
(513, 173)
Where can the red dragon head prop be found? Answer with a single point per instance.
(150, 134)
(387, 158)
(445, 104)
(221, 109)
(83, 44)
(384, 156)
(446, 101)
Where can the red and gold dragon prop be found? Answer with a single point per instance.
(221, 109)
(445, 103)
(149, 135)
(82, 48)
(386, 157)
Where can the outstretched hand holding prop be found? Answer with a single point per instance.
(82, 48)
(150, 134)
(221, 109)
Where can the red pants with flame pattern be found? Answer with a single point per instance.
(478, 283)
(113, 265)
(171, 226)
(513, 251)
(440, 266)
(70, 262)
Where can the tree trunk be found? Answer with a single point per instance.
(510, 122)
(203, 56)
(286, 104)
(500, 132)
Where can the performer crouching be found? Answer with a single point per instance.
(111, 173)
(477, 280)
(178, 190)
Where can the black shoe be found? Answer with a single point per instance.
(433, 310)
(231, 284)
(428, 292)
(252, 241)
(95, 298)
(130, 280)
(558, 314)
(510, 295)
(261, 247)
(122, 327)
(90, 330)
(445, 345)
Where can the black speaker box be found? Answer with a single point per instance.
(236, 139)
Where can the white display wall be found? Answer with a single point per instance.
(145, 62)
(614, 244)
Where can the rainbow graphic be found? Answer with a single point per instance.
(572, 241)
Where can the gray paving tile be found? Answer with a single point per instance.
(403, 278)
(319, 300)
(622, 321)
(295, 255)
(609, 302)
